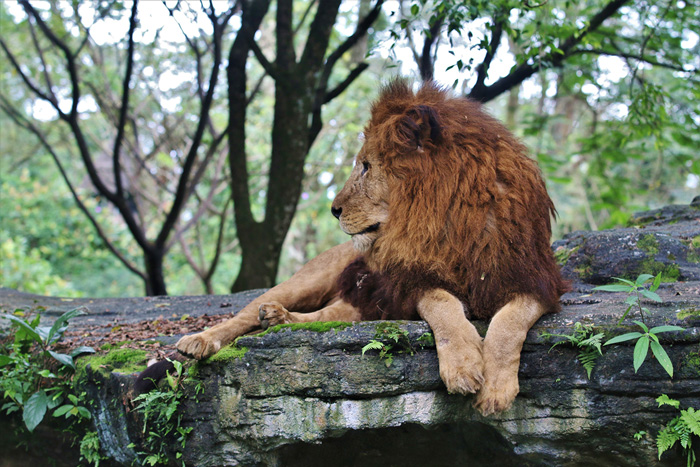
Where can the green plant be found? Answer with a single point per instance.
(161, 420)
(586, 340)
(648, 338)
(389, 338)
(90, 448)
(34, 376)
(683, 428)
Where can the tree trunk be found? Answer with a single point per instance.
(154, 281)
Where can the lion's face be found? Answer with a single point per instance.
(362, 206)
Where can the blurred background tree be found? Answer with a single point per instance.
(184, 148)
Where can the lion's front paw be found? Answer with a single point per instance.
(498, 393)
(198, 346)
(461, 368)
(272, 314)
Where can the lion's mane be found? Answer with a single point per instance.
(468, 210)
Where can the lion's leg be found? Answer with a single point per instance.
(274, 313)
(502, 346)
(309, 289)
(457, 340)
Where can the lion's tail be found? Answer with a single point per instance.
(149, 378)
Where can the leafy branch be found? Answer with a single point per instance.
(648, 337)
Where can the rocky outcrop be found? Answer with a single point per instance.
(308, 396)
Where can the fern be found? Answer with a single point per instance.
(588, 343)
(683, 428)
(372, 345)
(666, 438)
(587, 356)
(691, 418)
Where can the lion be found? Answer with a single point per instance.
(449, 221)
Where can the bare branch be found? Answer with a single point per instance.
(124, 108)
(24, 123)
(322, 96)
(30, 84)
(269, 68)
(651, 61)
(482, 70)
(181, 193)
(45, 69)
(554, 58)
(340, 88)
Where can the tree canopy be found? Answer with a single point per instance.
(182, 147)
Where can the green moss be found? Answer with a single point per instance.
(689, 313)
(692, 363)
(562, 255)
(228, 353)
(126, 361)
(648, 244)
(669, 272)
(315, 326)
(115, 345)
(584, 270)
(693, 257)
(695, 241)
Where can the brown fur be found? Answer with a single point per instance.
(450, 220)
(468, 209)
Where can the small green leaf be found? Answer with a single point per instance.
(624, 337)
(25, 326)
(663, 399)
(58, 327)
(656, 283)
(67, 360)
(62, 410)
(35, 409)
(85, 413)
(415, 9)
(662, 357)
(613, 288)
(631, 300)
(81, 350)
(642, 325)
(4, 360)
(643, 278)
(625, 281)
(665, 328)
(651, 295)
(640, 352)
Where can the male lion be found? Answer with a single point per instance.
(450, 220)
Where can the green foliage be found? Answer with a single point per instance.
(49, 254)
(36, 380)
(648, 337)
(587, 340)
(682, 429)
(90, 449)
(389, 338)
(30, 382)
(162, 420)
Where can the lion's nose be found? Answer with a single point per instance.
(336, 212)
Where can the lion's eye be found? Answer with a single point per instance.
(365, 167)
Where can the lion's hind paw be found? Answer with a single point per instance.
(197, 346)
(272, 314)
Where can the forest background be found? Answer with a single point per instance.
(195, 147)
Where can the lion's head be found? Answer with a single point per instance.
(444, 192)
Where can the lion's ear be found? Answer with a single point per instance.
(419, 126)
